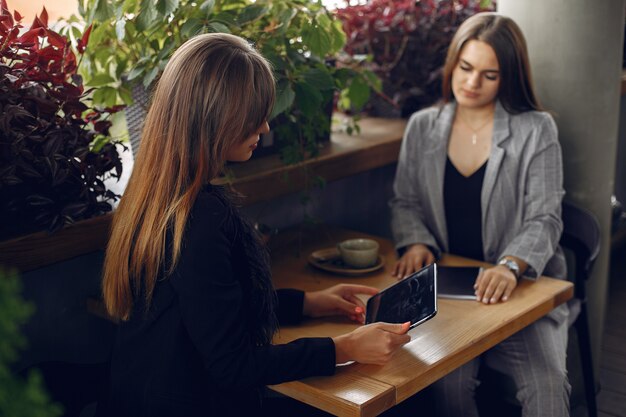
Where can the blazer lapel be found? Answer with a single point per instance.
(434, 164)
(501, 131)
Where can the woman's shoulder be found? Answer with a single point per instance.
(211, 210)
(428, 119)
(426, 116)
(533, 119)
(212, 199)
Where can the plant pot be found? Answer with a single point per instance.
(36, 250)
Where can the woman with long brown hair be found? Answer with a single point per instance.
(481, 176)
(187, 276)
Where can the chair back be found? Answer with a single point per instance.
(581, 235)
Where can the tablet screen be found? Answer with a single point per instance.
(413, 299)
(457, 281)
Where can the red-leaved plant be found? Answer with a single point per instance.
(55, 151)
(408, 41)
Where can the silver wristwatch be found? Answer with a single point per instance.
(511, 265)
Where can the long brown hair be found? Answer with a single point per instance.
(215, 91)
(516, 91)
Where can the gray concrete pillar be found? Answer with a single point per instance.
(575, 51)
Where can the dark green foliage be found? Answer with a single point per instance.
(133, 40)
(19, 397)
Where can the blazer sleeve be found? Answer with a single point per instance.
(407, 218)
(542, 226)
(290, 303)
(211, 305)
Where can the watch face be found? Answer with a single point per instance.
(511, 265)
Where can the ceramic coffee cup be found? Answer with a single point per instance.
(359, 253)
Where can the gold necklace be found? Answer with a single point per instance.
(475, 134)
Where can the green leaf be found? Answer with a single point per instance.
(121, 67)
(120, 29)
(103, 10)
(320, 78)
(318, 41)
(129, 6)
(308, 98)
(217, 27)
(165, 7)
(358, 93)
(373, 80)
(338, 36)
(76, 32)
(485, 3)
(168, 47)
(278, 63)
(125, 95)
(207, 6)
(100, 79)
(135, 72)
(285, 18)
(106, 96)
(191, 27)
(251, 13)
(150, 76)
(147, 16)
(284, 99)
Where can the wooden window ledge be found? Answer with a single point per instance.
(260, 179)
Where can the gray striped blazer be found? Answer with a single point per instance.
(521, 194)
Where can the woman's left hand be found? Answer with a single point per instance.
(495, 284)
(337, 300)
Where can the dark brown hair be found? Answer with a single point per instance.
(215, 91)
(505, 37)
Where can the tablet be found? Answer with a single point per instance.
(413, 299)
(457, 281)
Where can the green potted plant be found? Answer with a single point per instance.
(408, 41)
(133, 39)
(55, 150)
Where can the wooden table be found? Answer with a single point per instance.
(461, 330)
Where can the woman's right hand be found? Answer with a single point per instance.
(415, 258)
(373, 344)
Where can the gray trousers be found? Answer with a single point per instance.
(535, 358)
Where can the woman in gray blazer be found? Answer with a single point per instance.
(481, 176)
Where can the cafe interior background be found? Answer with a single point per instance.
(576, 50)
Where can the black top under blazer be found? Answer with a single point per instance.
(192, 353)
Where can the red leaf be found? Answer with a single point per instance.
(3, 5)
(55, 39)
(18, 16)
(102, 126)
(44, 16)
(6, 19)
(37, 23)
(82, 42)
(72, 90)
(31, 36)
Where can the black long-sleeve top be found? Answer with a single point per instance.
(192, 352)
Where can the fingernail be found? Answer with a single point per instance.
(358, 310)
(493, 300)
(505, 298)
(485, 300)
